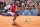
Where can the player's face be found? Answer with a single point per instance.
(15, 3)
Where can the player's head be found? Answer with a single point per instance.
(15, 3)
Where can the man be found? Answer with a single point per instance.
(7, 7)
(1, 3)
(4, 3)
(13, 13)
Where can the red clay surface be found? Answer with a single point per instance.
(6, 21)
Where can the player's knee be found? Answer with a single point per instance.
(14, 16)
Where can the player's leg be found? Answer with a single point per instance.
(14, 17)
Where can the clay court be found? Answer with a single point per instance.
(6, 21)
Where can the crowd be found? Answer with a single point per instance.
(23, 5)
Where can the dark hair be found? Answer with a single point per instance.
(14, 2)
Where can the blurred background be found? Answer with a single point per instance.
(25, 7)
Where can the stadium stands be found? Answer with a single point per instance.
(0, 12)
